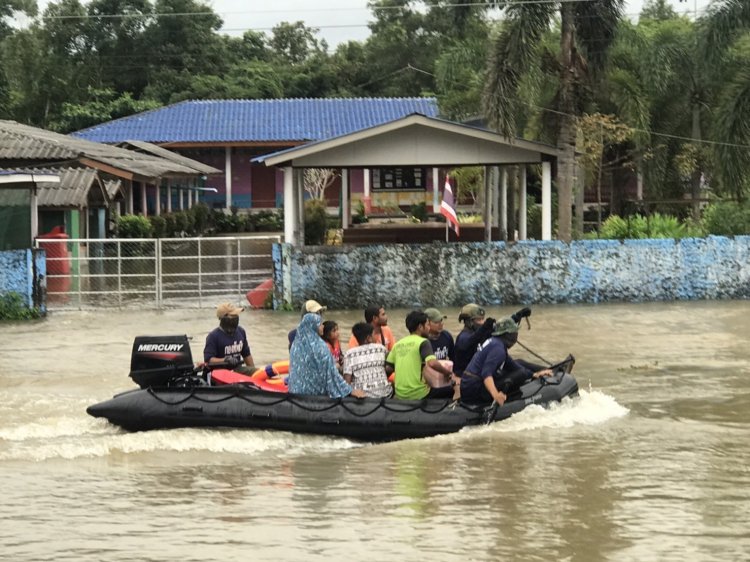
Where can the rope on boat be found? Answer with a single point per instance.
(238, 393)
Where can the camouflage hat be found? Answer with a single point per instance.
(434, 315)
(471, 311)
(505, 326)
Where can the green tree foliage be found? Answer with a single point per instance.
(727, 218)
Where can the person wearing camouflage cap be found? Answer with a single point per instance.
(492, 374)
(476, 329)
(440, 339)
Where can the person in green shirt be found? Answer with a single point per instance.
(407, 358)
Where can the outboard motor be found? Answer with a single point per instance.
(158, 360)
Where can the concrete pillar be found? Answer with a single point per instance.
(169, 195)
(504, 203)
(299, 194)
(522, 211)
(436, 191)
(367, 198)
(346, 210)
(34, 210)
(144, 201)
(228, 176)
(546, 201)
(290, 206)
(129, 198)
(157, 195)
(487, 209)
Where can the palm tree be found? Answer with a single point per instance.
(587, 28)
(727, 48)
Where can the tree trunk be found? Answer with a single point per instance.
(566, 139)
(695, 180)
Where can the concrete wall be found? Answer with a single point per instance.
(24, 272)
(589, 271)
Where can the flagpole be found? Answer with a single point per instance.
(446, 231)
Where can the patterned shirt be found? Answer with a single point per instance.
(366, 365)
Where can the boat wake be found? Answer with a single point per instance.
(590, 407)
(73, 438)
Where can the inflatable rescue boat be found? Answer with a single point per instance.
(174, 394)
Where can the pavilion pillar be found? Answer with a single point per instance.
(169, 195)
(228, 176)
(346, 210)
(504, 203)
(435, 191)
(487, 209)
(290, 206)
(299, 191)
(367, 198)
(546, 201)
(522, 205)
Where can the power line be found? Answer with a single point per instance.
(634, 129)
(147, 15)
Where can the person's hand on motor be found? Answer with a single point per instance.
(232, 360)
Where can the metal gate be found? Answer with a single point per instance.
(88, 273)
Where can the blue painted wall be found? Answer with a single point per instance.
(586, 271)
(24, 272)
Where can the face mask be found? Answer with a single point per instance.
(229, 324)
(510, 339)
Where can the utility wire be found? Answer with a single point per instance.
(635, 129)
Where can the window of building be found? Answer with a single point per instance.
(384, 179)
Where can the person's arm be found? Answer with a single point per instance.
(497, 396)
(247, 356)
(543, 373)
(210, 351)
(482, 333)
(347, 369)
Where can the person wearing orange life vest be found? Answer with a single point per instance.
(381, 333)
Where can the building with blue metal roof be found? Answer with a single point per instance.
(228, 134)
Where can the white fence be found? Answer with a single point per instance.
(84, 273)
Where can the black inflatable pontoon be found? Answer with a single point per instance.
(160, 405)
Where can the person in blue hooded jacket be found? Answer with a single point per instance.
(312, 370)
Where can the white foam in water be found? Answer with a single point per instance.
(70, 438)
(589, 408)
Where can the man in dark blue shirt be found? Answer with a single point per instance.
(440, 339)
(476, 330)
(228, 343)
(492, 374)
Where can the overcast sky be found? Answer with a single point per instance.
(343, 20)
(338, 20)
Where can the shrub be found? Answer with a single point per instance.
(315, 222)
(158, 226)
(419, 212)
(269, 221)
(133, 226)
(201, 217)
(726, 218)
(638, 226)
(13, 307)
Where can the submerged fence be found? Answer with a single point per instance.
(154, 273)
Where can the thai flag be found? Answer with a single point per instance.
(447, 208)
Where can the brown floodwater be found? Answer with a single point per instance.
(651, 462)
